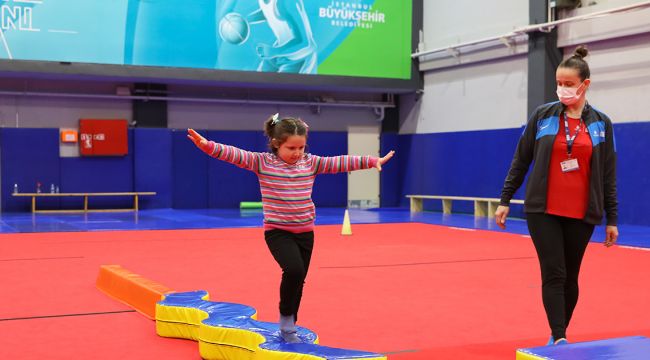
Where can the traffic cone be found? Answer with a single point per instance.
(346, 229)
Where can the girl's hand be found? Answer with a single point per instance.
(500, 215)
(611, 235)
(198, 140)
(383, 160)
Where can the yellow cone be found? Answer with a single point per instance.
(346, 229)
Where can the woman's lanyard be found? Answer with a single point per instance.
(570, 164)
(570, 139)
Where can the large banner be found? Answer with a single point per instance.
(367, 38)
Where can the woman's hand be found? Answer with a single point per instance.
(500, 215)
(611, 235)
(198, 140)
(384, 159)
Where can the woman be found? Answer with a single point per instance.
(572, 181)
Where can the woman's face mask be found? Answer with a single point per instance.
(568, 95)
(570, 87)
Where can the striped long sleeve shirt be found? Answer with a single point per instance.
(286, 188)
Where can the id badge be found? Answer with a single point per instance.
(569, 165)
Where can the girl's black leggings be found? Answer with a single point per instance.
(560, 243)
(293, 253)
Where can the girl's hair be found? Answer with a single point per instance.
(577, 62)
(280, 128)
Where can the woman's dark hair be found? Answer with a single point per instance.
(280, 129)
(577, 62)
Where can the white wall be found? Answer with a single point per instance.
(633, 21)
(478, 96)
(472, 97)
(619, 54)
(492, 94)
(620, 75)
(448, 22)
(34, 112)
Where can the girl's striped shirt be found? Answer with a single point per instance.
(286, 188)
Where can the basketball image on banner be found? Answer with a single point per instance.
(234, 28)
(362, 38)
(103, 137)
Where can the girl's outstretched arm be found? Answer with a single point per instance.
(346, 163)
(238, 157)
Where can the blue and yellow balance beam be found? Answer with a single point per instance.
(231, 331)
(627, 348)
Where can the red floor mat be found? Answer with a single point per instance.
(414, 291)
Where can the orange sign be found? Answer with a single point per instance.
(68, 136)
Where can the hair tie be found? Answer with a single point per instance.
(276, 118)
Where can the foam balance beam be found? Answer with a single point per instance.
(131, 289)
(627, 348)
(230, 331)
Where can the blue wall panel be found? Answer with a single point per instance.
(28, 156)
(189, 173)
(472, 163)
(152, 154)
(98, 174)
(390, 179)
(228, 184)
(475, 163)
(633, 172)
(330, 190)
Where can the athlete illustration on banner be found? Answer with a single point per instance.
(294, 49)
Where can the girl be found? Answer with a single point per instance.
(286, 176)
